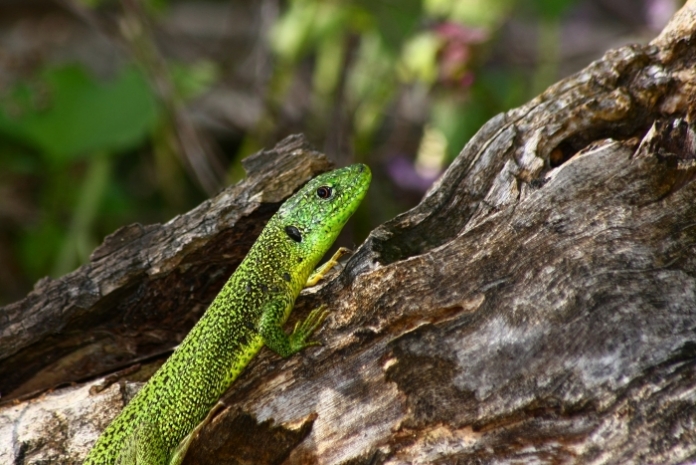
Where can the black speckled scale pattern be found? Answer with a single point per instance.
(248, 313)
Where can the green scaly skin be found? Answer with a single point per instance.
(248, 313)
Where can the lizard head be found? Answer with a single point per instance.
(314, 216)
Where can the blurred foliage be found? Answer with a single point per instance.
(65, 113)
(399, 84)
(65, 116)
(71, 136)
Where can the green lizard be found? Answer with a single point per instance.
(156, 427)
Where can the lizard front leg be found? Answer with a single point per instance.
(320, 272)
(275, 338)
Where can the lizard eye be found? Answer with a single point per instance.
(324, 192)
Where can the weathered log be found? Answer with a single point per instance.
(539, 305)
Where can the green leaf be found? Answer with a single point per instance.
(307, 25)
(481, 13)
(550, 9)
(68, 113)
(290, 35)
(419, 58)
(37, 247)
(396, 19)
(192, 80)
(371, 84)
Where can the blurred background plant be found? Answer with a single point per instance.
(114, 112)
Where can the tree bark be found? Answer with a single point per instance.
(539, 305)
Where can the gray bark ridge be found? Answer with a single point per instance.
(539, 305)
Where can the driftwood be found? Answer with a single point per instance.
(538, 306)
